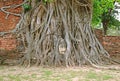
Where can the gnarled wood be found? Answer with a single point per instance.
(59, 33)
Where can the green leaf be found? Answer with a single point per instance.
(26, 7)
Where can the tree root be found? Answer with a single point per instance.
(59, 34)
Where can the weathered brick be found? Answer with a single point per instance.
(110, 43)
(8, 42)
(10, 23)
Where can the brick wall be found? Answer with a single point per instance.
(8, 42)
(99, 34)
(110, 43)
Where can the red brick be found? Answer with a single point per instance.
(110, 43)
(10, 23)
(8, 42)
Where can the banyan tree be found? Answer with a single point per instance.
(59, 33)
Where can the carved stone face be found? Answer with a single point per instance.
(62, 46)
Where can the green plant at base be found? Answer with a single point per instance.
(26, 7)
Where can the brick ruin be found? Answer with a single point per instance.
(8, 42)
(110, 43)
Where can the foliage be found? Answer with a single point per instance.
(100, 7)
(26, 7)
(104, 10)
(97, 11)
(114, 22)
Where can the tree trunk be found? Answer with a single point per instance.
(105, 27)
(59, 33)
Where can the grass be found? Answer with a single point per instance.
(92, 75)
(14, 73)
(107, 77)
(14, 77)
(98, 76)
(2, 67)
(1, 78)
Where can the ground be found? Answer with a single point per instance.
(20, 73)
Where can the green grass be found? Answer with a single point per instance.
(58, 74)
(12, 69)
(1, 78)
(107, 77)
(1, 67)
(47, 73)
(14, 77)
(98, 76)
(25, 77)
(92, 75)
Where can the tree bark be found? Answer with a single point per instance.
(105, 27)
(58, 33)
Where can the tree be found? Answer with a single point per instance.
(104, 13)
(58, 32)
